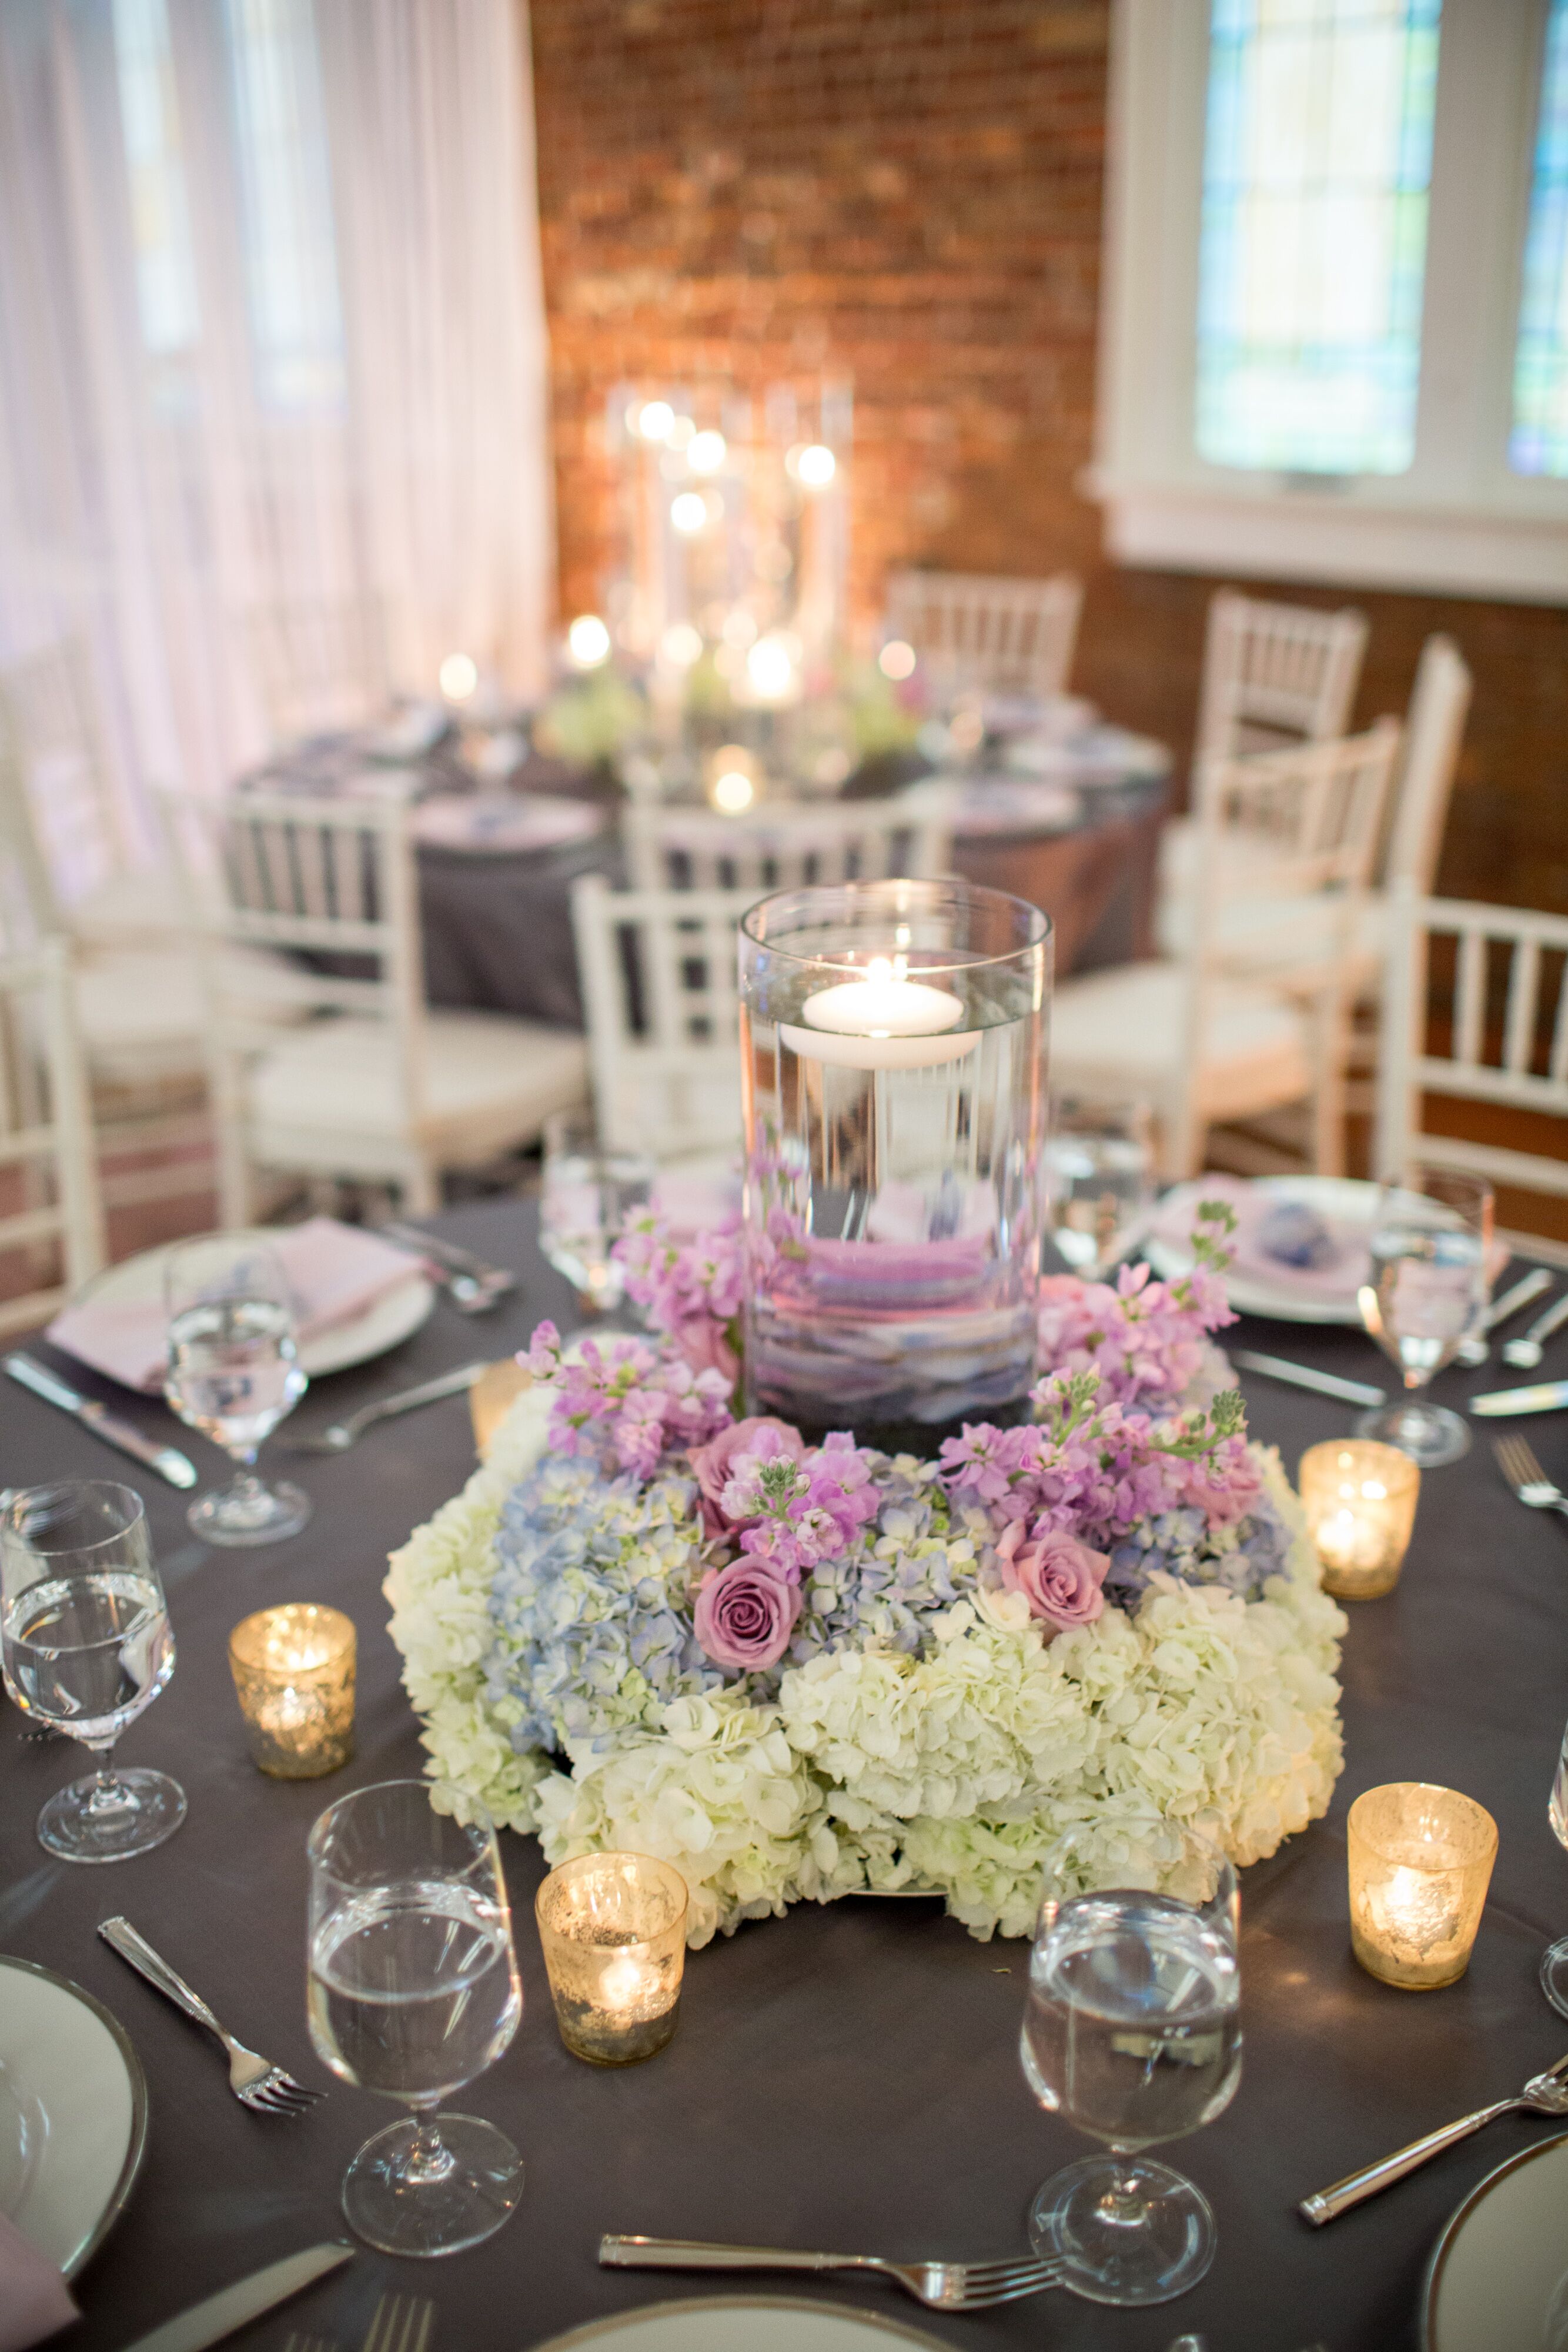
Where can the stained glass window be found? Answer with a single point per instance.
(1539, 443)
(1317, 161)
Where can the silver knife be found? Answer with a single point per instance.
(1546, 1396)
(1302, 1376)
(235, 2306)
(167, 1460)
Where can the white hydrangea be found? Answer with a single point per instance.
(953, 1767)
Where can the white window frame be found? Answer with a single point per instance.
(1458, 521)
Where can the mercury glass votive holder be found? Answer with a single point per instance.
(294, 1677)
(1420, 1863)
(1360, 1501)
(613, 1928)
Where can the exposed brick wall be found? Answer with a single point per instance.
(910, 190)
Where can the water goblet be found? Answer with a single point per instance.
(1554, 1959)
(413, 1991)
(589, 1192)
(1425, 1294)
(1100, 1170)
(1131, 2032)
(86, 1648)
(234, 1373)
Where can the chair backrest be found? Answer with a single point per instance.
(659, 988)
(319, 663)
(783, 847)
(1299, 829)
(55, 778)
(328, 882)
(1274, 672)
(971, 631)
(48, 1169)
(1507, 1034)
(1433, 729)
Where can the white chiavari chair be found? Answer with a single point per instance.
(972, 632)
(785, 845)
(49, 1197)
(1272, 673)
(1248, 1019)
(1503, 1044)
(659, 982)
(373, 1086)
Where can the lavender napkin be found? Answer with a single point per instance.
(34, 2298)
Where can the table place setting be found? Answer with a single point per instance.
(912, 1698)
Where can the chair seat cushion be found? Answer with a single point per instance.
(1263, 930)
(1124, 1032)
(141, 1009)
(143, 908)
(486, 1074)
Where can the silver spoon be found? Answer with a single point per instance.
(1475, 1350)
(1526, 1353)
(339, 1435)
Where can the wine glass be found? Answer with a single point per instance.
(1554, 1959)
(234, 1373)
(1428, 1291)
(589, 1193)
(413, 1991)
(1100, 1169)
(87, 1647)
(1133, 2032)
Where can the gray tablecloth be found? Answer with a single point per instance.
(843, 2077)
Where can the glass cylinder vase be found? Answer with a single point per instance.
(893, 1048)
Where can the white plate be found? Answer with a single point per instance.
(743, 2323)
(392, 1318)
(73, 2114)
(1499, 2273)
(1345, 1200)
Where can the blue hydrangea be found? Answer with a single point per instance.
(1241, 1557)
(591, 1605)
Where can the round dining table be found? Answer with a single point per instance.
(844, 2078)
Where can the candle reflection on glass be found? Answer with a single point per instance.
(613, 1929)
(1360, 1501)
(1421, 1861)
(293, 1670)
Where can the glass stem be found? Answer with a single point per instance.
(429, 2159)
(1124, 2205)
(108, 1793)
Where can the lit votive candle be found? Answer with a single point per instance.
(613, 1928)
(492, 1397)
(1360, 1502)
(294, 1675)
(884, 1022)
(1420, 1863)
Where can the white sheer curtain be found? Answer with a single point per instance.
(271, 336)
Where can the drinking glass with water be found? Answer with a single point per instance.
(1424, 1296)
(86, 1645)
(413, 1991)
(234, 1373)
(1131, 2032)
(1554, 1959)
(1100, 1175)
(589, 1191)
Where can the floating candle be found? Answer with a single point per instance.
(884, 1022)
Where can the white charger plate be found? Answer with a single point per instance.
(73, 2114)
(743, 2323)
(1499, 2273)
(385, 1323)
(1346, 1199)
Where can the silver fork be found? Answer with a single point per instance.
(472, 1286)
(402, 2323)
(255, 2081)
(340, 1435)
(1475, 1350)
(1524, 1473)
(1543, 2094)
(1526, 1352)
(942, 2286)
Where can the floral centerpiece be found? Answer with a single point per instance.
(800, 1672)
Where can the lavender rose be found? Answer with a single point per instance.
(713, 1463)
(1057, 1575)
(745, 1616)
